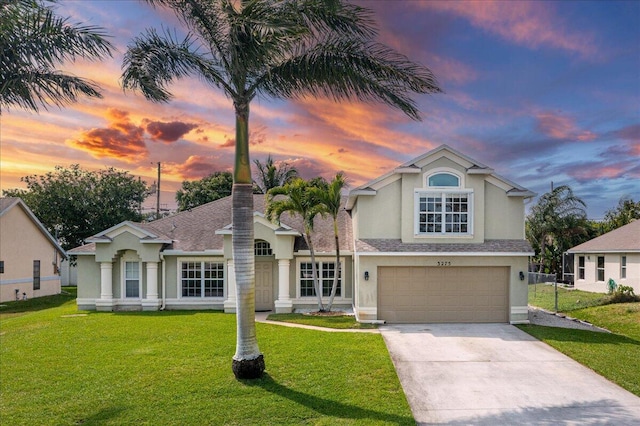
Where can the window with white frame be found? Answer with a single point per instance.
(581, 267)
(326, 271)
(600, 268)
(202, 279)
(444, 207)
(262, 248)
(132, 279)
(623, 267)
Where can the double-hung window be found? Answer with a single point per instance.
(623, 267)
(132, 279)
(202, 279)
(326, 271)
(581, 267)
(600, 268)
(443, 207)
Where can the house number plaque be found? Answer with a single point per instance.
(444, 263)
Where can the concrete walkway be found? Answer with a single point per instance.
(495, 374)
(262, 317)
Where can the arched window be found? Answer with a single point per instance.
(262, 248)
(443, 180)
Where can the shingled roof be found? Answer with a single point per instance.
(623, 239)
(489, 246)
(195, 230)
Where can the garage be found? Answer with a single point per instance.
(443, 294)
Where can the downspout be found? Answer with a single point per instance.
(164, 283)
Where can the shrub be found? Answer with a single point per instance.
(624, 294)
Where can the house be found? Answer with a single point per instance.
(614, 255)
(438, 239)
(29, 256)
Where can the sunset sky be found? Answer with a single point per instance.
(541, 91)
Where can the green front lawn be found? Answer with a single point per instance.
(615, 356)
(59, 366)
(336, 321)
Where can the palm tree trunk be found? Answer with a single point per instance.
(248, 362)
(314, 271)
(336, 277)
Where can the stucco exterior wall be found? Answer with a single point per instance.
(611, 270)
(379, 216)
(22, 242)
(504, 217)
(366, 299)
(88, 282)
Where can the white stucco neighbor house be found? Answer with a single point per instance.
(614, 255)
(438, 239)
(29, 256)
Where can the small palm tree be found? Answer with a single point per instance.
(554, 221)
(271, 176)
(277, 49)
(298, 199)
(33, 42)
(330, 195)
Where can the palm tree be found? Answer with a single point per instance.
(277, 49)
(330, 195)
(271, 175)
(299, 199)
(33, 41)
(553, 224)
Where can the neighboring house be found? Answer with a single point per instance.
(438, 239)
(614, 255)
(29, 255)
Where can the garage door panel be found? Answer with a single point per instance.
(456, 294)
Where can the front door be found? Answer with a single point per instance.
(264, 286)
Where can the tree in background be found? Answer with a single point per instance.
(557, 222)
(277, 49)
(330, 196)
(210, 188)
(271, 175)
(626, 211)
(74, 204)
(33, 42)
(298, 199)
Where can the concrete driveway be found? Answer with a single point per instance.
(495, 374)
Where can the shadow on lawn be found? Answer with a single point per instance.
(327, 407)
(574, 335)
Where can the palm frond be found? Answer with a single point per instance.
(153, 61)
(33, 42)
(31, 90)
(350, 69)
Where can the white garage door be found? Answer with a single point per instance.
(445, 294)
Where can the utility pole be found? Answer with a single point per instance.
(158, 194)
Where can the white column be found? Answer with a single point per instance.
(106, 280)
(284, 305)
(230, 303)
(152, 280)
(151, 302)
(105, 302)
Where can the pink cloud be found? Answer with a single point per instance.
(121, 139)
(561, 127)
(167, 131)
(532, 24)
(197, 167)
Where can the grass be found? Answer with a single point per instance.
(335, 321)
(21, 307)
(59, 366)
(543, 296)
(615, 356)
